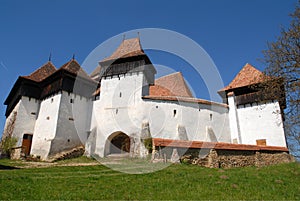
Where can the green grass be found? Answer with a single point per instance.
(176, 182)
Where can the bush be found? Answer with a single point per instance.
(6, 146)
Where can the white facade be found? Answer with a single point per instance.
(126, 111)
(62, 124)
(261, 121)
(24, 117)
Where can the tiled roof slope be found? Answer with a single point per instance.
(128, 48)
(74, 67)
(156, 90)
(184, 99)
(170, 85)
(42, 73)
(247, 76)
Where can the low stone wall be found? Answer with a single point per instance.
(221, 158)
(73, 153)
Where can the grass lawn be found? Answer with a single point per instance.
(176, 182)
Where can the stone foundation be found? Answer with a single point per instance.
(217, 158)
(73, 153)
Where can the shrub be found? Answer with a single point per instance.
(7, 144)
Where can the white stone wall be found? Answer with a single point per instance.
(200, 122)
(46, 126)
(27, 110)
(73, 122)
(261, 121)
(118, 109)
(234, 121)
(63, 123)
(11, 118)
(122, 109)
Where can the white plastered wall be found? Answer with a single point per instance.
(72, 124)
(117, 110)
(26, 111)
(121, 108)
(45, 127)
(261, 121)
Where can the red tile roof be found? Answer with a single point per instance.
(128, 48)
(42, 73)
(184, 99)
(213, 145)
(74, 67)
(249, 75)
(170, 85)
(157, 90)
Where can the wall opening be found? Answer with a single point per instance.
(119, 143)
(26, 144)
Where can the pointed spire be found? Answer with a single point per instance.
(73, 57)
(128, 48)
(50, 57)
(249, 75)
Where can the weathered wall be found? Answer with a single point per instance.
(46, 125)
(26, 112)
(72, 123)
(195, 121)
(117, 110)
(122, 109)
(235, 158)
(261, 121)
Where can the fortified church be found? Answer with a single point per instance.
(121, 104)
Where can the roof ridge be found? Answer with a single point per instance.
(42, 72)
(248, 75)
(174, 84)
(128, 48)
(77, 69)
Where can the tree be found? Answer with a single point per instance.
(282, 59)
(8, 141)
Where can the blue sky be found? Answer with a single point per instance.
(233, 32)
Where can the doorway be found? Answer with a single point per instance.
(120, 144)
(26, 144)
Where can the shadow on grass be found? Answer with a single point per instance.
(6, 167)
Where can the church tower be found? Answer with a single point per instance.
(124, 78)
(255, 116)
(127, 74)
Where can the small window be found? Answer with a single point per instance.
(51, 100)
(29, 99)
(174, 113)
(71, 100)
(117, 111)
(156, 106)
(120, 94)
(71, 118)
(33, 113)
(210, 117)
(48, 118)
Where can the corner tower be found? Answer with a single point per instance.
(255, 116)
